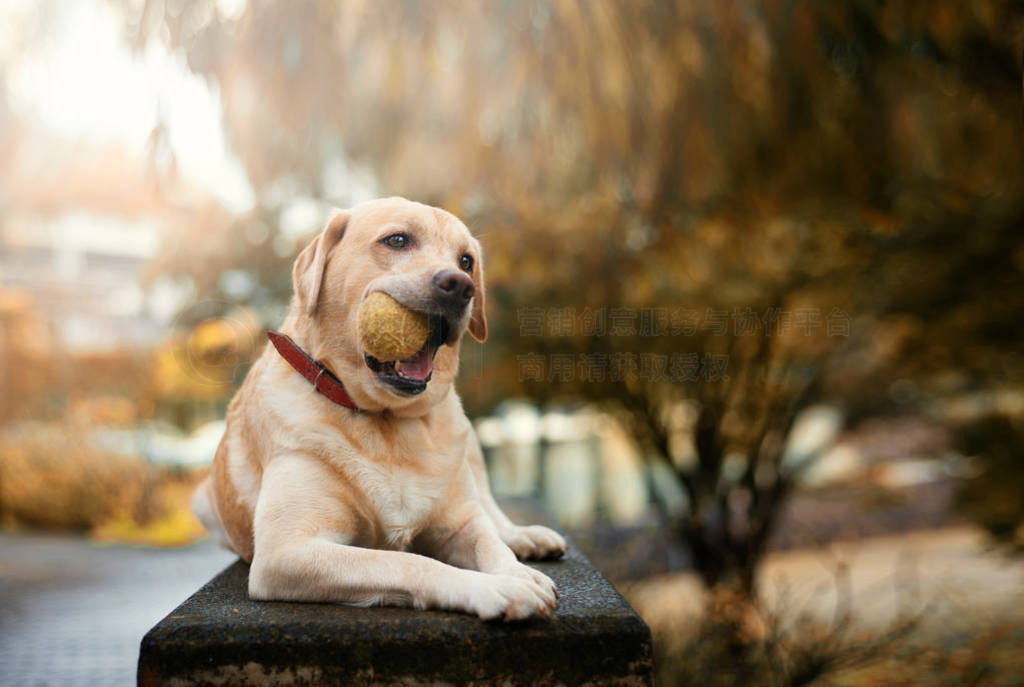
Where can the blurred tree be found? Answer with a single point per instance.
(31, 359)
(704, 216)
(994, 497)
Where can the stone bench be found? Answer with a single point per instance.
(219, 637)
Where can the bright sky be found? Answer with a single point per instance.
(80, 81)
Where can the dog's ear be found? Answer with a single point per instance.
(308, 272)
(478, 319)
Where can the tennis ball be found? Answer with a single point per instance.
(390, 331)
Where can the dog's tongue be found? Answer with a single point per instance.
(419, 366)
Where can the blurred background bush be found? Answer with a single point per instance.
(755, 269)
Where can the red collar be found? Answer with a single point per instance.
(322, 379)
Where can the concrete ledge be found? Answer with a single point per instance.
(220, 637)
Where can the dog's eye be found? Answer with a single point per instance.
(466, 262)
(396, 241)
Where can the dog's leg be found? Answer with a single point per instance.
(301, 555)
(529, 542)
(465, 536)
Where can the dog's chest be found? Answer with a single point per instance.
(403, 500)
(399, 471)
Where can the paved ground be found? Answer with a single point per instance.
(952, 577)
(73, 612)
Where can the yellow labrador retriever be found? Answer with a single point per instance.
(373, 490)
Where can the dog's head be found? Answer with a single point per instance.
(424, 258)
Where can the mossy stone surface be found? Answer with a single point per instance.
(220, 636)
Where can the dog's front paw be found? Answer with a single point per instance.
(533, 542)
(512, 596)
(525, 572)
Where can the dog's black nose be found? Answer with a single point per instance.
(453, 287)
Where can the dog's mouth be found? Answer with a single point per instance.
(410, 376)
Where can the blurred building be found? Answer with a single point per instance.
(77, 234)
(83, 271)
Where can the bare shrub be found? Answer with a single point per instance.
(52, 478)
